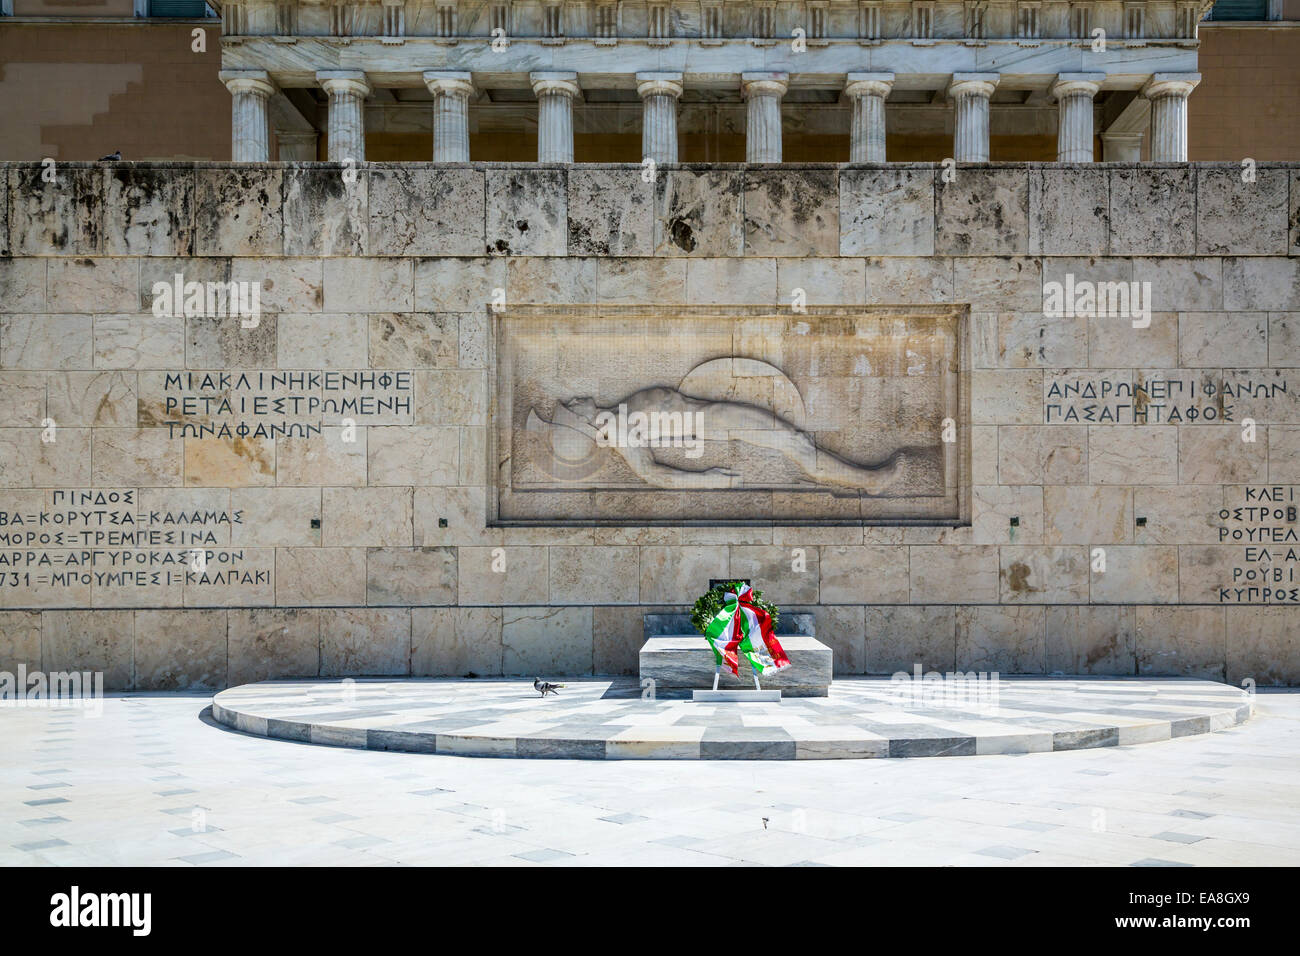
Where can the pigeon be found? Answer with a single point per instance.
(546, 687)
(113, 157)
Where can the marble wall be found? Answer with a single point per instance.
(1132, 478)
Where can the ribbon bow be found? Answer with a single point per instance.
(742, 627)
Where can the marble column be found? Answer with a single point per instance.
(451, 93)
(659, 93)
(250, 131)
(296, 146)
(1168, 94)
(555, 95)
(763, 92)
(971, 93)
(347, 91)
(1074, 93)
(867, 92)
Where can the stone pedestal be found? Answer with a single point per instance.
(555, 94)
(659, 93)
(1074, 93)
(686, 662)
(451, 93)
(763, 92)
(867, 92)
(250, 90)
(971, 93)
(678, 658)
(1168, 94)
(347, 123)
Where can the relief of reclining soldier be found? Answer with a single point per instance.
(651, 415)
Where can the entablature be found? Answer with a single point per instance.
(702, 66)
(756, 22)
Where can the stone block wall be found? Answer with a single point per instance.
(372, 555)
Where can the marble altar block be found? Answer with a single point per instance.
(676, 623)
(685, 662)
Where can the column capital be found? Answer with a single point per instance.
(335, 82)
(659, 84)
(564, 84)
(761, 84)
(248, 81)
(1068, 84)
(449, 84)
(868, 84)
(973, 84)
(1170, 84)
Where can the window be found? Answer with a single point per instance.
(1239, 10)
(179, 9)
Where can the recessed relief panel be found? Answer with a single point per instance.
(729, 415)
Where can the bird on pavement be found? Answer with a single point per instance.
(546, 687)
(111, 157)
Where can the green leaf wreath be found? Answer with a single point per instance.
(708, 604)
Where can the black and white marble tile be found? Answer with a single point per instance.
(604, 719)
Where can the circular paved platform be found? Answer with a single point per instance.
(603, 719)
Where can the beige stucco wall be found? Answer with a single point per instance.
(74, 8)
(80, 91)
(1248, 103)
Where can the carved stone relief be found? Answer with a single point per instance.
(722, 415)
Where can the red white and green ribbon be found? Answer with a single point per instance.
(744, 628)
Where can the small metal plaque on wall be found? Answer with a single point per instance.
(725, 415)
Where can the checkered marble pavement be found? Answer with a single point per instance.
(603, 719)
(152, 781)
